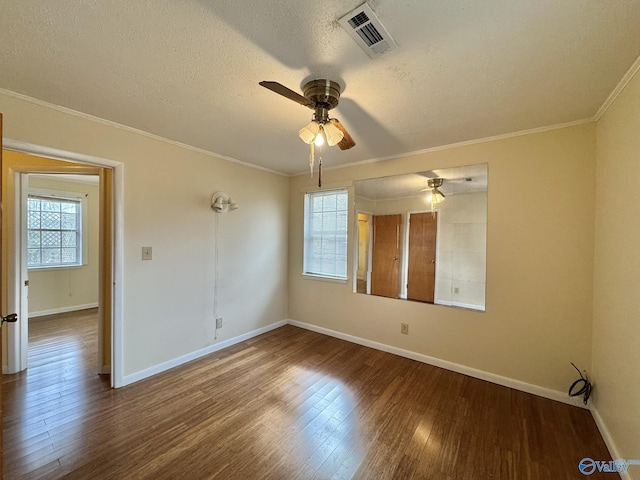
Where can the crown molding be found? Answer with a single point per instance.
(461, 144)
(618, 90)
(109, 123)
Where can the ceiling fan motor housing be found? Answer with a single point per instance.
(325, 94)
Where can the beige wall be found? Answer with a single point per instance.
(168, 301)
(539, 264)
(64, 289)
(616, 329)
(461, 258)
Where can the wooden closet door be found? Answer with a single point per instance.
(385, 264)
(421, 278)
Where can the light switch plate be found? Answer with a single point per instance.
(147, 253)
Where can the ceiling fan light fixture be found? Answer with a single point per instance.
(309, 133)
(319, 141)
(434, 184)
(434, 196)
(333, 134)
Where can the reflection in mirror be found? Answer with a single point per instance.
(424, 239)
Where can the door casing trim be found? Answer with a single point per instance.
(118, 237)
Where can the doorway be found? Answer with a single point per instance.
(363, 261)
(385, 264)
(61, 227)
(16, 167)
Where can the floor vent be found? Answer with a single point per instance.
(368, 32)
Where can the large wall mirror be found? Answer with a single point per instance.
(422, 236)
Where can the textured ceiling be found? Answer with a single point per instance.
(189, 70)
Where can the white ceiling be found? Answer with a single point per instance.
(189, 70)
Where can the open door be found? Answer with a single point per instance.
(13, 165)
(4, 304)
(385, 263)
(421, 277)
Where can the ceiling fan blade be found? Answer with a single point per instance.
(347, 142)
(287, 92)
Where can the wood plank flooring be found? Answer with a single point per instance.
(290, 404)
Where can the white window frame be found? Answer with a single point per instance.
(339, 234)
(83, 220)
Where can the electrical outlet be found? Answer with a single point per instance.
(404, 328)
(219, 322)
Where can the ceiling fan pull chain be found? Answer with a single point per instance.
(320, 173)
(312, 157)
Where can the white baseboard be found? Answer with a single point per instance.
(454, 367)
(148, 372)
(71, 308)
(611, 445)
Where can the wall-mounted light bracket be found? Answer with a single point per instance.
(221, 203)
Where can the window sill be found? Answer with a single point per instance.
(310, 276)
(54, 267)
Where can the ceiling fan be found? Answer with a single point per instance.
(320, 95)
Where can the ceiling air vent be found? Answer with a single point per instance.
(368, 32)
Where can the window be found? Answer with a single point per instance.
(54, 231)
(325, 234)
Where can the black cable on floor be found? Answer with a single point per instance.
(582, 386)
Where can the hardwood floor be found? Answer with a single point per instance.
(290, 404)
